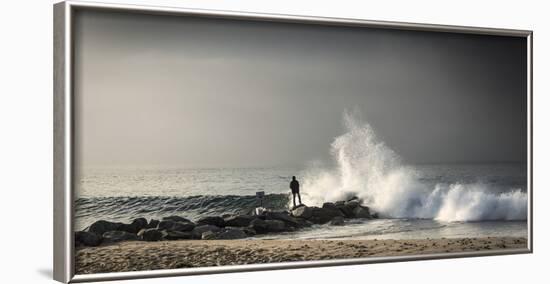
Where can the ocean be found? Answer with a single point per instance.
(417, 201)
(413, 201)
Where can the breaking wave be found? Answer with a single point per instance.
(369, 169)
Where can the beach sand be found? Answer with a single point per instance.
(138, 255)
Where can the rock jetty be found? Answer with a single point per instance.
(226, 227)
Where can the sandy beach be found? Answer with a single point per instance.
(138, 255)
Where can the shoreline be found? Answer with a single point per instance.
(140, 255)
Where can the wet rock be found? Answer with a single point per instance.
(231, 234)
(130, 228)
(348, 207)
(247, 230)
(87, 238)
(239, 220)
(176, 226)
(283, 216)
(140, 223)
(374, 215)
(165, 225)
(337, 221)
(212, 220)
(225, 234)
(199, 230)
(176, 219)
(324, 215)
(304, 212)
(177, 235)
(303, 223)
(339, 203)
(118, 236)
(260, 226)
(330, 205)
(268, 226)
(275, 226)
(150, 235)
(102, 226)
(208, 235)
(152, 224)
(348, 212)
(315, 220)
(183, 226)
(316, 214)
(361, 212)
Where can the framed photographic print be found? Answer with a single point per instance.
(194, 141)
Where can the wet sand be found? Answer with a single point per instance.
(138, 255)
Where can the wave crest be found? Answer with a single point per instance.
(369, 169)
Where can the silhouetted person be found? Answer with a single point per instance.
(295, 188)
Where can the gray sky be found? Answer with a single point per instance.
(158, 90)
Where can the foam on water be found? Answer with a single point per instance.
(369, 169)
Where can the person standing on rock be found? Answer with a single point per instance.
(295, 188)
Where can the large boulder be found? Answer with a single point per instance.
(150, 235)
(339, 203)
(141, 223)
(199, 230)
(134, 227)
(225, 234)
(353, 203)
(268, 226)
(212, 220)
(324, 215)
(231, 234)
(130, 228)
(283, 216)
(275, 225)
(338, 206)
(260, 226)
(329, 205)
(239, 220)
(348, 212)
(165, 225)
(303, 212)
(249, 231)
(361, 212)
(177, 235)
(153, 223)
(87, 238)
(102, 226)
(176, 219)
(118, 236)
(302, 223)
(183, 226)
(348, 207)
(337, 221)
(208, 235)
